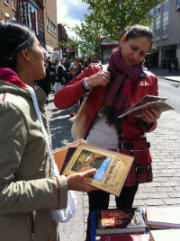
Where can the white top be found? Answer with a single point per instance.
(103, 135)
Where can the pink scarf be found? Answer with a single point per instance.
(9, 76)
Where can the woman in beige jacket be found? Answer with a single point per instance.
(27, 190)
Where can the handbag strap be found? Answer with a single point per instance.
(54, 169)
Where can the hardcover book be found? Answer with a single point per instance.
(112, 167)
(113, 221)
(162, 217)
(147, 102)
(61, 153)
(69, 153)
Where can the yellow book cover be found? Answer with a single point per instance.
(112, 167)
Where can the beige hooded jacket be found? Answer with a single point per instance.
(27, 192)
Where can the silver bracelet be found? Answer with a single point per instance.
(85, 85)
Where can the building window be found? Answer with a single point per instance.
(178, 5)
(6, 2)
(13, 4)
(165, 19)
(157, 25)
(151, 17)
(158, 10)
(157, 33)
(51, 26)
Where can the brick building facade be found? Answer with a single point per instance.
(50, 25)
(8, 9)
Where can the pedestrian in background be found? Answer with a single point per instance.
(59, 76)
(77, 64)
(73, 73)
(96, 59)
(45, 83)
(110, 94)
(28, 192)
(176, 65)
(67, 65)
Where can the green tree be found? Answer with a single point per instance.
(116, 15)
(111, 17)
(89, 33)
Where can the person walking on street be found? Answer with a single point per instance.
(45, 83)
(60, 76)
(176, 65)
(67, 65)
(28, 188)
(110, 94)
(77, 65)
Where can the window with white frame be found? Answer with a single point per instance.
(7, 2)
(13, 4)
(51, 26)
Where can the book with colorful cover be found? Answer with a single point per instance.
(165, 234)
(114, 221)
(162, 217)
(60, 154)
(147, 102)
(112, 167)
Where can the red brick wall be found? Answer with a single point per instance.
(7, 9)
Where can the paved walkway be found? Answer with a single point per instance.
(165, 188)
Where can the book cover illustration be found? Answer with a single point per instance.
(120, 221)
(112, 167)
(147, 102)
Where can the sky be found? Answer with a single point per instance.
(71, 12)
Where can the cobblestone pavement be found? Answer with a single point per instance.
(165, 151)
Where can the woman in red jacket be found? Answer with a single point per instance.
(110, 94)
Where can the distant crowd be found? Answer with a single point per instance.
(58, 73)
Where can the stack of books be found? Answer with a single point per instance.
(113, 224)
(149, 224)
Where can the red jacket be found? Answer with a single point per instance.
(132, 130)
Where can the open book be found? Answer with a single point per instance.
(162, 217)
(147, 102)
(112, 167)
